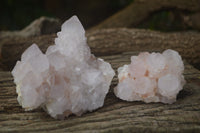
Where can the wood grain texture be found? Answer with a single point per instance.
(112, 41)
(115, 116)
(139, 10)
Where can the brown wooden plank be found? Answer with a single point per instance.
(115, 116)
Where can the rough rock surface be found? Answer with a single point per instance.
(151, 77)
(66, 79)
(40, 26)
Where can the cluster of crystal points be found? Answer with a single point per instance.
(66, 79)
(151, 77)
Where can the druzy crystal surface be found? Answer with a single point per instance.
(66, 79)
(151, 77)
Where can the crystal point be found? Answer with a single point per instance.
(66, 80)
(151, 77)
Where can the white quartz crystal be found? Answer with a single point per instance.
(151, 77)
(66, 79)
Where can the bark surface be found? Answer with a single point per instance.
(138, 11)
(110, 42)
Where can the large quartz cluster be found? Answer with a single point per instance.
(151, 77)
(66, 79)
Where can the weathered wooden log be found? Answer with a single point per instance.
(38, 27)
(115, 116)
(139, 10)
(112, 41)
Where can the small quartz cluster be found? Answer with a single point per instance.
(66, 79)
(151, 77)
